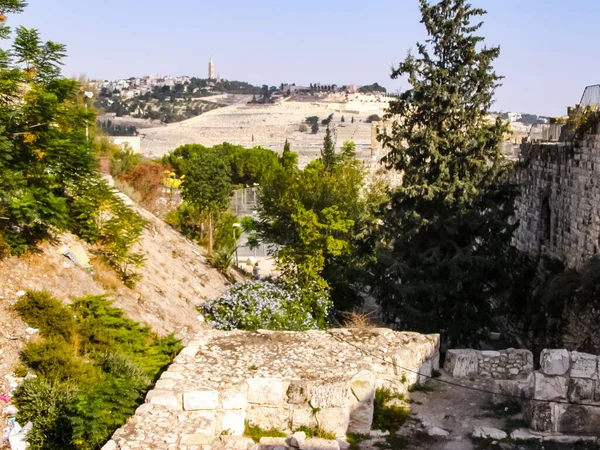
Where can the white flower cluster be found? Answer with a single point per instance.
(267, 305)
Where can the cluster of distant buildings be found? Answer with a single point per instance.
(128, 88)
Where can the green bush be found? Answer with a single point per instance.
(268, 305)
(388, 416)
(88, 386)
(40, 310)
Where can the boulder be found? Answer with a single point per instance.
(580, 390)
(297, 439)
(489, 433)
(437, 432)
(273, 443)
(554, 361)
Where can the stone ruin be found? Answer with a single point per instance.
(280, 380)
(562, 397)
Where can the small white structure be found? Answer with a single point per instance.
(133, 141)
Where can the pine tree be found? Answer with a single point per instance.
(352, 120)
(446, 232)
(288, 159)
(343, 119)
(328, 151)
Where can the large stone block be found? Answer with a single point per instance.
(461, 363)
(200, 400)
(303, 417)
(583, 365)
(580, 390)
(272, 443)
(233, 399)
(320, 444)
(195, 439)
(578, 419)
(265, 391)
(164, 398)
(547, 387)
(233, 422)
(540, 416)
(298, 392)
(554, 362)
(329, 395)
(334, 420)
(361, 416)
(203, 422)
(269, 416)
(363, 386)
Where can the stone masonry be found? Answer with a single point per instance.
(559, 207)
(564, 393)
(507, 364)
(281, 380)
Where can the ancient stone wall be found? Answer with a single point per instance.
(559, 207)
(281, 380)
(501, 365)
(564, 394)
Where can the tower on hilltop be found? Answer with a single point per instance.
(211, 69)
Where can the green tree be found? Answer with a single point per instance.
(446, 232)
(207, 185)
(314, 128)
(43, 147)
(343, 119)
(288, 158)
(328, 151)
(349, 149)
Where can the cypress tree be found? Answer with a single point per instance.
(328, 151)
(446, 234)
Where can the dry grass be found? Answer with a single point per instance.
(361, 321)
(105, 275)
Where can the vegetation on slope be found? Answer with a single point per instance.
(93, 369)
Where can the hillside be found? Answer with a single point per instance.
(270, 125)
(176, 278)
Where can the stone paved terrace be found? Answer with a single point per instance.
(282, 380)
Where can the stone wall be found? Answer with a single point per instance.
(281, 380)
(559, 207)
(502, 365)
(564, 395)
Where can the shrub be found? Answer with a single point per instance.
(45, 404)
(148, 181)
(123, 162)
(302, 128)
(268, 305)
(109, 364)
(386, 415)
(373, 118)
(40, 310)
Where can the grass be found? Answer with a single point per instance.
(354, 439)
(357, 320)
(316, 432)
(387, 416)
(393, 442)
(255, 432)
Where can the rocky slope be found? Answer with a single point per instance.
(176, 278)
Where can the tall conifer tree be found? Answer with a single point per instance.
(445, 232)
(328, 151)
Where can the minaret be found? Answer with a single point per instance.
(211, 69)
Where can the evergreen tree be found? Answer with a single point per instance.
(446, 232)
(352, 120)
(288, 159)
(328, 151)
(343, 119)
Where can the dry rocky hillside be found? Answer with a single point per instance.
(176, 278)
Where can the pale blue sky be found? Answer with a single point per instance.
(550, 48)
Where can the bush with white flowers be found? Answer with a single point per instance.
(268, 305)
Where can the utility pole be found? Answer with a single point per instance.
(87, 95)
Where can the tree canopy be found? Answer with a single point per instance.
(445, 234)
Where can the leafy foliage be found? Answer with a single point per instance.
(318, 218)
(268, 305)
(42, 137)
(91, 376)
(446, 231)
(100, 216)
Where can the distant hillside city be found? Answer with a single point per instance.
(171, 99)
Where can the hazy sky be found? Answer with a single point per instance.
(549, 48)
